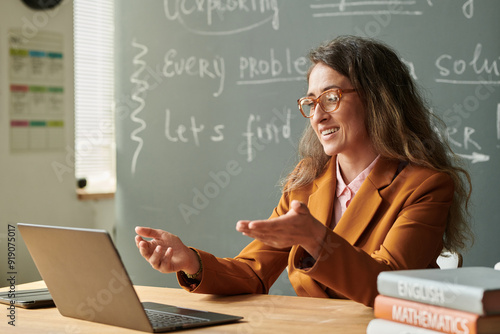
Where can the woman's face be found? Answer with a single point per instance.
(342, 132)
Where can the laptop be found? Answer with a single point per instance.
(87, 280)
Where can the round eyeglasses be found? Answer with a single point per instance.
(329, 101)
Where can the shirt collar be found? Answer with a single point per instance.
(356, 183)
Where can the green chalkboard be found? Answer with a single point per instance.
(206, 113)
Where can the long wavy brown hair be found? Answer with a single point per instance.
(398, 121)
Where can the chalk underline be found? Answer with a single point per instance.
(229, 32)
(469, 82)
(264, 81)
(362, 3)
(375, 12)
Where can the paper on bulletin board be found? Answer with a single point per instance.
(36, 91)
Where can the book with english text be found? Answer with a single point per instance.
(436, 318)
(470, 289)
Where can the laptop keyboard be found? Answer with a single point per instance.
(161, 319)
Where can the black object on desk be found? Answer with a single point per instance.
(35, 298)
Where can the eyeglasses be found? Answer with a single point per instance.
(329, 101)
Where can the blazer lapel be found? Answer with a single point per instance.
(320, 202)
(366, 202)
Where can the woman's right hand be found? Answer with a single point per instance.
(165, 251)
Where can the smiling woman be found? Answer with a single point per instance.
(398, 122)
(375, 190)
(341, 129)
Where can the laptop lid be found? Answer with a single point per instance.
(85, 275)
(87, 280)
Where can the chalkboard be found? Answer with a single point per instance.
(206, 113)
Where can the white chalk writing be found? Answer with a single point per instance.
(141, 86)
(264, 132)
(202, 11)
(447, 65)
(361, 8)
(185, 134)
(195, 66)
(272, 68)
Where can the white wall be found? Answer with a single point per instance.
(30, 191)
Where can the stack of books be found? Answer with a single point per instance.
(455, 301)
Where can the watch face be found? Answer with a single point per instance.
(42, 4)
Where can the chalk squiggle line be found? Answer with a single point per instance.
(141, 87)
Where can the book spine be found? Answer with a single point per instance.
(426, 316)
(445, 294)
(382, 326)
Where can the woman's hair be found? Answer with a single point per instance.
(397, 120)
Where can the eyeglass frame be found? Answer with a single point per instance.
(316, 101)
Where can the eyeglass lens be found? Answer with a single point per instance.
(328, 101)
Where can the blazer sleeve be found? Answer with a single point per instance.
(413, 240)
(254, 270)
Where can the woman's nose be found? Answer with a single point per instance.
(319, 113)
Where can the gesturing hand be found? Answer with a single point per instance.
(166, 252)
(296, 227)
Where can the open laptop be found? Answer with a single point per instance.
(87, 280)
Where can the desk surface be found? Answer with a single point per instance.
(262, 314)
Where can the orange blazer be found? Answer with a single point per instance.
(396, 221)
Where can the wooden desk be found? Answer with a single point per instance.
(262, 314)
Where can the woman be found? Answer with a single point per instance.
(371, 136)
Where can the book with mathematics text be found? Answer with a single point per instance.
(440, 319)
(382, 326)
(470, 289)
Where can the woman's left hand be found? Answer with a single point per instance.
(296, 227)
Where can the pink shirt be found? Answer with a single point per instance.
(345, 193)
